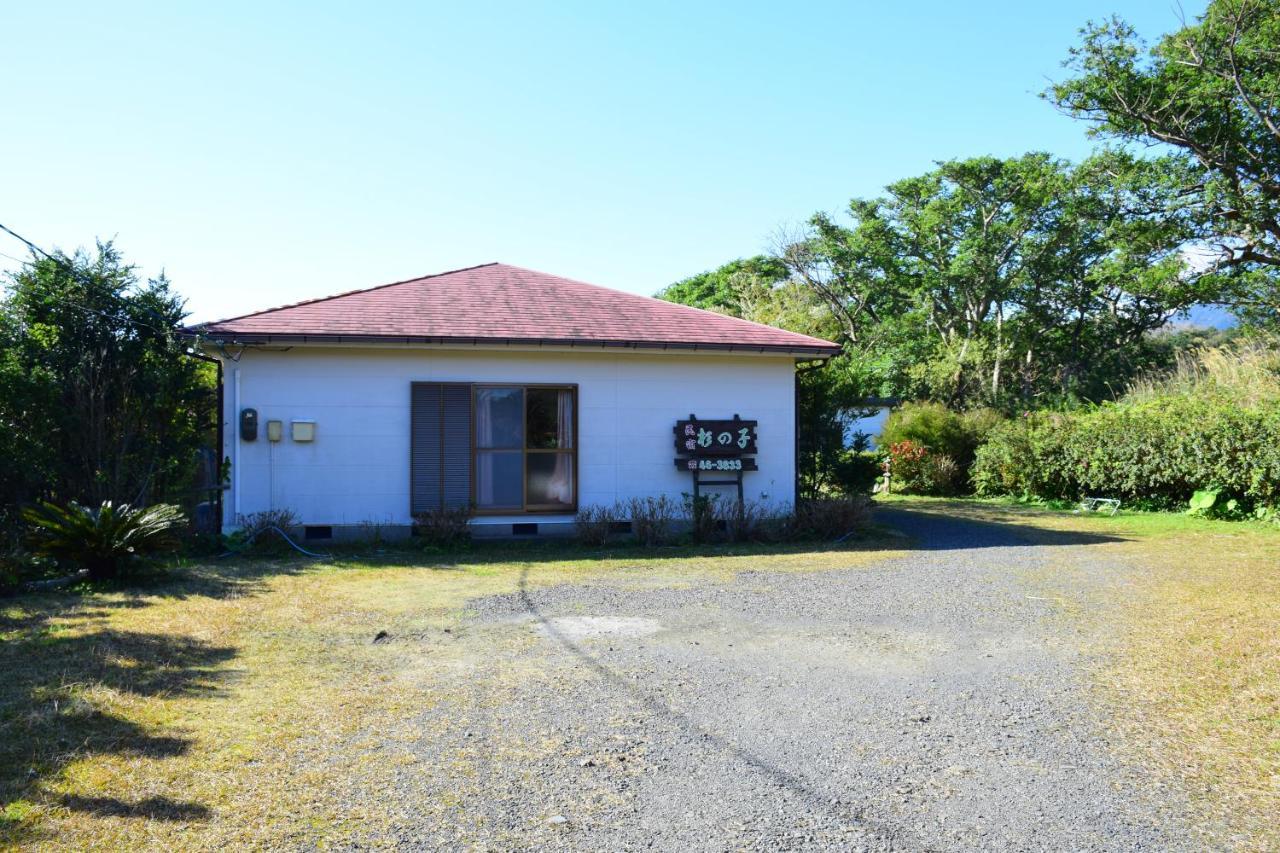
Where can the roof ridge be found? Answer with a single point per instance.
(346, 293)
(668, 302)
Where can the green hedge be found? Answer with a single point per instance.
(1153, 452)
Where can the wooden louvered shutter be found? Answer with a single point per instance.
(439, 446)
(455, 442)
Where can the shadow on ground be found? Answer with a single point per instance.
(956, 528)
(60, 658)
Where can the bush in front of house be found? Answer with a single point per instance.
(745, 521)
(652, 519)
(593, 524)
(830, 518)
(108, 540)
(261, 532)
(701, 513)
(444, 527)
(721, 518)
(856, 472)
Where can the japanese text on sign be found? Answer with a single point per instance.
(716, 438)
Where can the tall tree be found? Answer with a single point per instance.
(991, 281)
(1107, 268)
(96, 391)
(1211, 92)
(722, 289)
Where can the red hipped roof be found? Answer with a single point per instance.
(502, 304)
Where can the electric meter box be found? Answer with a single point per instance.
(275, 430)
(304, 430)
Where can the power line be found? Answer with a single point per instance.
(32, 246)
(75, 273)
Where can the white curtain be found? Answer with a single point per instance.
(560, 488)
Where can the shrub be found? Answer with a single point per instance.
(371, 533)
(445, 527)
(744, 521)
(941, 475)
(594, 524)
(16, 569)
(703, 517)
(106, 539)
(908, 468)
(856, 473)
(651, 519)
(940, 430)
(259, 532)
(1154, 451)
(830, 518)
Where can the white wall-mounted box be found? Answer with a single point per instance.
(304, 430)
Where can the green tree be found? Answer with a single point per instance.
(992, 282)
(98, 399)
(1108, 270)
(722, 289)
(947, 248)
(1210, 91)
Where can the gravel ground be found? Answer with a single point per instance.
(933, 702)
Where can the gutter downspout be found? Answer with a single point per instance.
(795, 411)
(220, 425)
(235, 464)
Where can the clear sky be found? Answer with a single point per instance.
(264, 153)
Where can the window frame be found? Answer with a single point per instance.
(525, 507)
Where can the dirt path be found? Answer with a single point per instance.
(934, 702)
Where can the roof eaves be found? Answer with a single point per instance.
(814, 351)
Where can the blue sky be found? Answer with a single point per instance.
(265, 155)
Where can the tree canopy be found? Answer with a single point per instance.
(987, 281)
(98, 399)
(1210, 92)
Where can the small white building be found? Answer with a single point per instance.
(520, 394)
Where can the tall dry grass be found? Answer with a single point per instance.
(1245, 372)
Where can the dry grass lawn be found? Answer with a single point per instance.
(218, 706)
(208, 709)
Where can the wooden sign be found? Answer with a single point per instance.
(698, 438)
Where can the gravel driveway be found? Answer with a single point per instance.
(933, 702)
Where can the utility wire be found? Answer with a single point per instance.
(70, 268)
(32, 246)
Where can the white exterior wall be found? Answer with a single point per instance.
(357, 469)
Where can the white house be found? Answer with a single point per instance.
(521, 394)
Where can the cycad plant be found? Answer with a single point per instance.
(102, 539)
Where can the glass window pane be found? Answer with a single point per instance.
(550, 479)
(550, 418)
(498, 479)
(499, 417)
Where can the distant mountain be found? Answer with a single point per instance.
(1210, 316)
